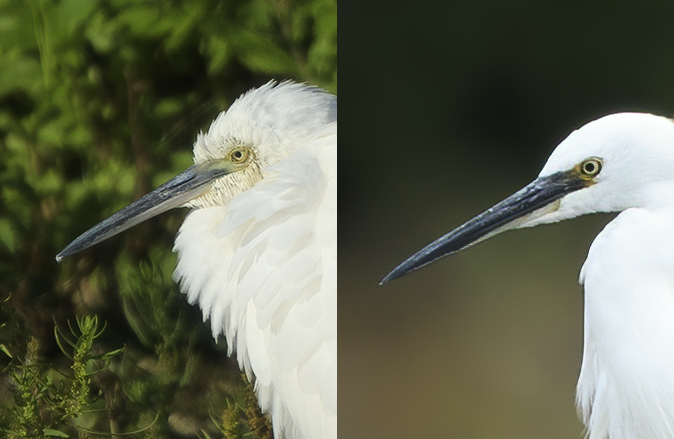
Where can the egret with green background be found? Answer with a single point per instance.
(258, 250)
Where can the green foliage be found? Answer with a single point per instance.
(100, 101)
(49, 402)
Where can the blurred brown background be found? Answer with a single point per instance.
(448, 107)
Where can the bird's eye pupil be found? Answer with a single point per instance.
(238, 155)
(591, 167)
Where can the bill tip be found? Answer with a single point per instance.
(393, 275)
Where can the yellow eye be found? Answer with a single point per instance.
(591, 167)
(239, 155)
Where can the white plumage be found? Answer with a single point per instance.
(258, 251)
(626, 385)
(263, 269)
(619, 163)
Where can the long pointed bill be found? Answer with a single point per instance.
(517, 210)
(189, 184)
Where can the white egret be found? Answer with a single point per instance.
(258, 250)
(619, 163)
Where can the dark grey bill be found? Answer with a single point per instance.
(187, 185)
(534, 196)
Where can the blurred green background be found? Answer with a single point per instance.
(100, 102)
(448, 107)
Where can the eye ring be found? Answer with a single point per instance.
(591, 167)
(239, 155)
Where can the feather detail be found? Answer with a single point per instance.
(263, 268)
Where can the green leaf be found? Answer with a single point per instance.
(219, 54)
(261, 54)
(72, 13)
(51, 432)
(19, 72)
(140, 19)
(7, 235)
(4, 349)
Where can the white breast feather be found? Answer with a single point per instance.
(263, 268)
(626, 381)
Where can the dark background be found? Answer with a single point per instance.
(448, 107)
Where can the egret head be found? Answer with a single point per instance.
(260, 128)
(619, 161)
(263, 126)
(627, 160)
